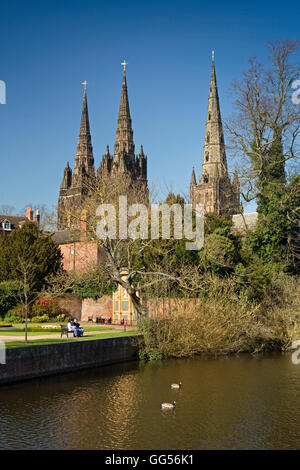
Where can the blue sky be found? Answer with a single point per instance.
(48, 48)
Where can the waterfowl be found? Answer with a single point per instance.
(168, 406)
(176, 385)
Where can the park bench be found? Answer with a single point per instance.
(65, 331)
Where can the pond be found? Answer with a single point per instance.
(241, 402)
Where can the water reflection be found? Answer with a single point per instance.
(240, 402)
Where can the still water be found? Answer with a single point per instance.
(240, 402)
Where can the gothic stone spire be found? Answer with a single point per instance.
(193, 178)
(214, 163)
(124, 136)
(67, 178)
(215, 190)
(84, 161)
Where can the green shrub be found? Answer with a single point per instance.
(40, 319)
(10, 294)
(225, 322)
(5, 325)
(151, 354)
(11, 317)
(47, 307)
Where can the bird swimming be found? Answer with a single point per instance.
(168, 406)
(176, 385)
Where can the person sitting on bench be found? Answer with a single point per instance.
(70, 327)
(77, 331)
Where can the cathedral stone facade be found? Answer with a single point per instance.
(214, 189)
(123, 169)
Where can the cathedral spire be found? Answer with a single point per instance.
(214, 156)
(85, 124)
(193, 178)
(215, 190)
(124, 135)
(84, 161)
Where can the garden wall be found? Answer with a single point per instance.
(70, 304)
(95, 308)
(161, 308)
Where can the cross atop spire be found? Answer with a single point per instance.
(213, 55)
(124, 63)
(84, 84)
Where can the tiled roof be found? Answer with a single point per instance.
(63, 237)
(14, 220)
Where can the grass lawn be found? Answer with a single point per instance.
(15, 344)
(44, 331)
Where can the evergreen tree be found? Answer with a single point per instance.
(31, 248)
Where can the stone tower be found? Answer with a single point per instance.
(215, 189)
(124, 166)
(73, 188)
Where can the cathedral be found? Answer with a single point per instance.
(126, 173)
(214, 189)
(122, 169)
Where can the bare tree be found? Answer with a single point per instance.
(265, 114)
(27, 297)
(7, 209)
(117, 252)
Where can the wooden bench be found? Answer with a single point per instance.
(65, 331)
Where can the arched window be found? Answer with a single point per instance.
(206, 179)
(208, 138)
(209, 116)
(222, 139)
(207, 156)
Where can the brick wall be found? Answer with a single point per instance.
(95, 308)
(79, 256)
(70, 304)
(161, 308)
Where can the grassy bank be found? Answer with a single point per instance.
(44, 331)
(15, 344)
(227, 323)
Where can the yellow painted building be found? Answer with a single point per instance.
(123, 308)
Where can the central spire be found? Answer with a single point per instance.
(124, 135)
(214, 163)
(85, 124)
(84, 161)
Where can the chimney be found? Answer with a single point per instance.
(29, 214)
(37, 217)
